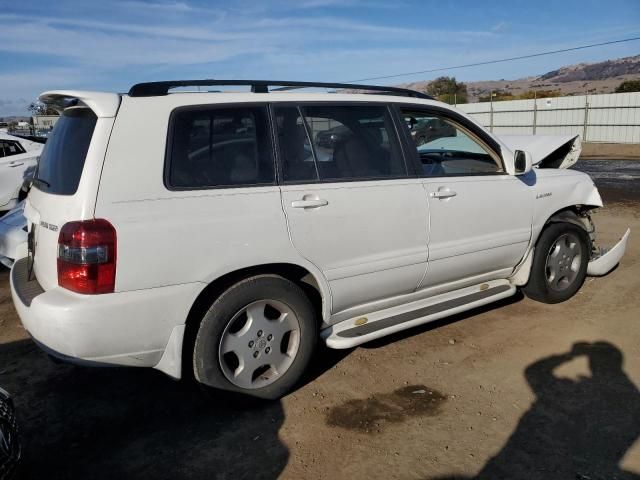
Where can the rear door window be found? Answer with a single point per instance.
(63, 156)
(337, 143)
(296, 156)
(219, 147)
(9, 147)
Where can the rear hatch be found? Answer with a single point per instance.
(67, 177)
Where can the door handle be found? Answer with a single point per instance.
(443, 193)
(309, 203)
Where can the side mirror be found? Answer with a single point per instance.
(522, 162)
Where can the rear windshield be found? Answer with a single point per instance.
(62, 158)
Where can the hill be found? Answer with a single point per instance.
(579, 79)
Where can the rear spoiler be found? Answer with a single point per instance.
(103, 104)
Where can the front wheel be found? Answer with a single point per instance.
(559, 264)
(257, 338)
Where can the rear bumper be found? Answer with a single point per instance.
(128, 328)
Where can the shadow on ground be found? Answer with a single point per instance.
(135, 423)
(576, 429)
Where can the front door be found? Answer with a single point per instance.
(480, 217)
(351, 207)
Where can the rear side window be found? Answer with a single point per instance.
(8, 148)
(219, 147)
(337, 143)
(63, 156)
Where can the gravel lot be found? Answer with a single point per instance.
(515, 390)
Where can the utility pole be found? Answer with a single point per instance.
(535, 110)
(491, 112)
(586, 118)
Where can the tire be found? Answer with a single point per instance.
(10, 449)
(559, 263)
(256, 339)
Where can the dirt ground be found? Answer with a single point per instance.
(515, 390)
(605, 151)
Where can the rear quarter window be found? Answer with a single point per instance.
(212, 147)
(62, 159)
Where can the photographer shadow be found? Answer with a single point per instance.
(575, 429)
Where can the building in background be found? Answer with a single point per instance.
(44, 122)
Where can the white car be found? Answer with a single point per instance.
(18, 160)
(200, 232)
(13, 233)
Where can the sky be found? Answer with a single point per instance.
(110, 45)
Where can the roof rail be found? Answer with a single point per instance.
(154, 89)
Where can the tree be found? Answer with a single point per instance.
(39, 108)
(447, 89)
(628, 86)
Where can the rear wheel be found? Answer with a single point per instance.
(257, 338)
(559, 263)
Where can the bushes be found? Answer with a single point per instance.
(628, 86)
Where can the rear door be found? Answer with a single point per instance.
(14, 165)
(480, 216)
(65, 185)
(352, 208)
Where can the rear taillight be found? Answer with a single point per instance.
(87, 256)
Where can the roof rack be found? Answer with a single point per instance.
(154, 89)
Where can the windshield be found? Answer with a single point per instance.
(63, 156)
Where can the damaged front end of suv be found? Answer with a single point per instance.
(561, 152)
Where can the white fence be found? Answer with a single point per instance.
(613, 118)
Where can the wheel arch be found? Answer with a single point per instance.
(318, 294)
(574, 214)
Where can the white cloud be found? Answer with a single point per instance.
(308, 4)
(500, 27)
(108, 44)
(92, 46)
(162, 6)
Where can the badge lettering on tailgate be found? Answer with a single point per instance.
(49, 226)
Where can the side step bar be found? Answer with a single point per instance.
(355, 331)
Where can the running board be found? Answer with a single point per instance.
(355, 331)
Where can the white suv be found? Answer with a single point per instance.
(223, 234)
(18, 159)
